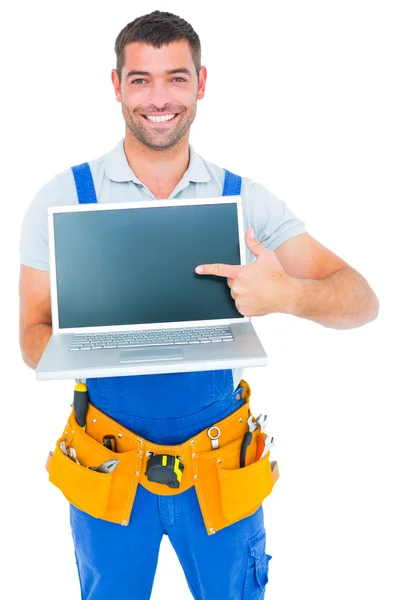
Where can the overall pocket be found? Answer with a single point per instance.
(86, 489)
(257, 568)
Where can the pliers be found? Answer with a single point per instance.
(264, 442)
(262, 420)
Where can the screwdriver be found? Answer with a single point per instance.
(81, 404)
(110, 442)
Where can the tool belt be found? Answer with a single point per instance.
(226, 492)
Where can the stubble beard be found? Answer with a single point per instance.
(159, 140)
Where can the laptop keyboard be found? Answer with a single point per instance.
(140, 339)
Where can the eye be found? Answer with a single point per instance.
(137, 81)
(180, 78)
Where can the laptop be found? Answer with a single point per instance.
(126, 299)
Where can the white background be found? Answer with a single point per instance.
(302, 97)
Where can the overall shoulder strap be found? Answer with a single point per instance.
(232, 184)
(84, 184)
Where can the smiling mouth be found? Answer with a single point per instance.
(160, 119)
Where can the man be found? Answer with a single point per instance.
(158, 80)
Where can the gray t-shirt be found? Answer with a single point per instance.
(115, 181)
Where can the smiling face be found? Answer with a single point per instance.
(158, 91)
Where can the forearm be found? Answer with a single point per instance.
(341, 301)
(33, 342)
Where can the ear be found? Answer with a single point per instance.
(116, 84)
(202, 83)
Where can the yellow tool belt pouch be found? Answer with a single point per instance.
(226, 493)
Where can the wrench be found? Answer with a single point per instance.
(268, 444)
(262, 420)
(253, 424)
(214, 436)
(72, 454)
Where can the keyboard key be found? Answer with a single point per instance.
(169, 337)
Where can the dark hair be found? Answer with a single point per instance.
(157, 29)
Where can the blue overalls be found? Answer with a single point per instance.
(119, 563)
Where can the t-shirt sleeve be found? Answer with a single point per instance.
(34, 238)
(273, 222)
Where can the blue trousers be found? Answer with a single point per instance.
(120, 562)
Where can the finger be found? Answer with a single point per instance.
(253, 244)
(218, 270)
(229, 281)
(246, 311)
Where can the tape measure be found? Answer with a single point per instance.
(166, 469)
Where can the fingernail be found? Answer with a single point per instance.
(199, 269)
(252, 233)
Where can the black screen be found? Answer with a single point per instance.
(136, 266)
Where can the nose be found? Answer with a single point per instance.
(159, 95)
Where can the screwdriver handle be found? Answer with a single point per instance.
(110, 442)
(260, 445)
(81, 404)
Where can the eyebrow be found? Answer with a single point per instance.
(147, 74)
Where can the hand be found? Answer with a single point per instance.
(261, 288)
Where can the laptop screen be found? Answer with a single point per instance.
(136, 266)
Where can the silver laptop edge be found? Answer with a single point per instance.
(58, 363)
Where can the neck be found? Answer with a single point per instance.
(149, 164)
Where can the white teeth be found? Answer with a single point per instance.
(160, 119)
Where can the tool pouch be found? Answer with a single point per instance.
(84, 488)
(226, 493)
(107, 496)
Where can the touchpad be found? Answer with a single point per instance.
(150, 354)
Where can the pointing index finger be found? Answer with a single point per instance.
(218, 269)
